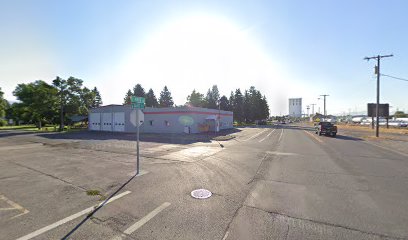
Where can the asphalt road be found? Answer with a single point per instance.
(280, 182)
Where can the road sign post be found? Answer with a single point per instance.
(137, 103)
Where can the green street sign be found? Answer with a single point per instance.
(138, 102)
(138, 105)
(134, 99)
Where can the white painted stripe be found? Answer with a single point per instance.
(263, 139)
(146, 218)
(256, 135)
(282, 153)
(226, 235)
(280, 135)
(70, 218)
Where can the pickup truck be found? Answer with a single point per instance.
(326, 128)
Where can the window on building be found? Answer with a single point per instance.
(166, 123)
(151, 122)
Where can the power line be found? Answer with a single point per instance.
(398, 78)
(377, 71)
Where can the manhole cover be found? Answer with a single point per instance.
(201, 193)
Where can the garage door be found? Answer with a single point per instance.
(95, 121)
(119, 121)
(106, 122)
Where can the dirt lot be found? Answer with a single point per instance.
(392, 138)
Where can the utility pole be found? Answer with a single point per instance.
(313, 104)
(324, 102)
(308, 107)
(377, 109)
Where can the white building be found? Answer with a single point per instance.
(295, 107)
(118, 118)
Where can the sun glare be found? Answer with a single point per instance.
(195, 53)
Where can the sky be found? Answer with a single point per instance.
(286, 49)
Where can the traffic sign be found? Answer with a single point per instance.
(138, 105)
(138, 102)
(134, 99)
(133, 117)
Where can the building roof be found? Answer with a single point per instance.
(78, 118)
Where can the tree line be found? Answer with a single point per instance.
(247, 106)
(40, 102)
(165, 98)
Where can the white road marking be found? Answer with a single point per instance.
(143, 221)
(146, 218)
(70, 218)
(263, 139)
(280, 135)
(282, 153)
(226, 235)
(14, 205)
(255, 135)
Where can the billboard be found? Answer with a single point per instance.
(383, 109)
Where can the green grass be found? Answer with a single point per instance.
(21, 127)
(46, 128)
(92, 192)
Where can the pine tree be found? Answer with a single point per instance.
(212, 97)
(196, 99)
(139, 91)
(151, 100)
(247, 107)
(98, 99)
(265, 108)
(231, 102)
(224, 103)
(128, 98)
(165, 99)
(238, 106)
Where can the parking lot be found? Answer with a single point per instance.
(46, 178)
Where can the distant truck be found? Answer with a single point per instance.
(326, 128)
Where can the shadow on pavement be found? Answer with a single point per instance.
(97, 209)
(342, 137)
(145, 137)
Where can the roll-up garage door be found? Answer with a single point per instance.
(106, 122)
(95, 121)
(119, 121)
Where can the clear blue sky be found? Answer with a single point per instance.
(283, 48)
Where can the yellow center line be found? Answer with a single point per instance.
(313, 136)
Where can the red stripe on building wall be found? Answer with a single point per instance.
(189, 112)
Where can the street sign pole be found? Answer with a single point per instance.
(137, 103)
(137, 144)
